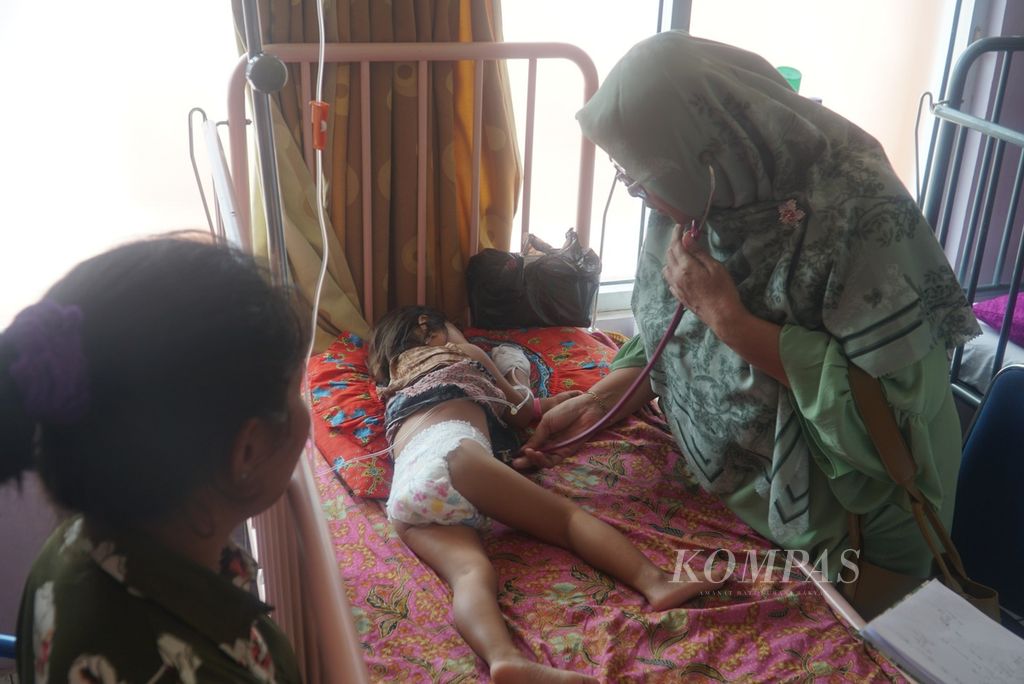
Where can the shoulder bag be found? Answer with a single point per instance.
(874, 589)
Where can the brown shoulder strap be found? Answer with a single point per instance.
(899, 463)
(882, 428)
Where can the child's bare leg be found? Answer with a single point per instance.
(457, 555)
(503, 494)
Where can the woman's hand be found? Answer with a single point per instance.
(700, 283)
(703, 286)
(568, 419)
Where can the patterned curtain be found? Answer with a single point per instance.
(393, 127)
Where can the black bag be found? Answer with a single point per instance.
(542, 287)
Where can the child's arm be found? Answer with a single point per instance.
(455, 335)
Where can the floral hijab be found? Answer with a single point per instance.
(809, 219)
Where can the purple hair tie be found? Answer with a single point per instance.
(49, 367)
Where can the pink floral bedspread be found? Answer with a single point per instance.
(567, 614)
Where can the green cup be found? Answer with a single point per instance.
(792, 76)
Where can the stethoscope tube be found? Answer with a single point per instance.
(697, 229)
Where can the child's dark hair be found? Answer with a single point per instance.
(182, 341)
(397, 331)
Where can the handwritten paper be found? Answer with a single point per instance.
(937, 636)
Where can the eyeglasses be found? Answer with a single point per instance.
(632, 187)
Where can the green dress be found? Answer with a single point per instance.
(126, 610)
(848, 475)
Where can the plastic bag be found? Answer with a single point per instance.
(546, 286)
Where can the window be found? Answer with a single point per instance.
(869, 61)
(605, 29)
(94, 127)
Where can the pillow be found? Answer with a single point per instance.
(560, 358)
(348, 416)
(992, 312)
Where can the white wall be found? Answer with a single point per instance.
(94, 151)
(868, 60)
(605, 29)
(26, 520)
(93, 127)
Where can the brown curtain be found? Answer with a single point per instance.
(393, 127)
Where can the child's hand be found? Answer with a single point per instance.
(548, 403)
(567, 419)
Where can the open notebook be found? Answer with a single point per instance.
(936, 636)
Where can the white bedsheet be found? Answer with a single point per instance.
(976, 368)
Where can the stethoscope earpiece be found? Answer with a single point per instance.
(695, 231)
(695, 228)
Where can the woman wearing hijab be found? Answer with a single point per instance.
(813, 257)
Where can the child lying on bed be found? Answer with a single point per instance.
(445, 401)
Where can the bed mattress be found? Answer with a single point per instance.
(979, 353)
(563, 612)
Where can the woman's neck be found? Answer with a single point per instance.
(198, 538)
(200, 545)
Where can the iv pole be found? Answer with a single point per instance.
(266, 75)
(331, 653)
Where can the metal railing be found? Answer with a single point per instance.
(971, 158)
(423, 54)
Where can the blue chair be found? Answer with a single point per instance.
(6, 646)
(988, 522)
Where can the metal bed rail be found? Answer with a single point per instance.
(362, 56)
(961, 208)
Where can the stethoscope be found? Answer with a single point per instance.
(695, 230)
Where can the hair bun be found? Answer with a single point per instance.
(49, 367)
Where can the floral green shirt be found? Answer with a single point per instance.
(127, 610)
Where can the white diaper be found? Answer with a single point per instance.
(422, 492)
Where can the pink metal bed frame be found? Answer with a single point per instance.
(301, 574)
(305, 55)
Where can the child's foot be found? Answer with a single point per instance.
(663, 593)
(523, 671)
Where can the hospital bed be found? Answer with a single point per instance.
(973, 201)
(356, 602)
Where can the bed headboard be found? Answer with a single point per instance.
(364, 54)
(973, 191)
